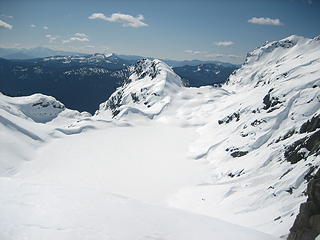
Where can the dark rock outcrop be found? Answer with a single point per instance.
(114, 103)
(231, 117)
(307, 223)
(297, 150)
(311, 125)
(239, 153)
(270, 103)
(303, 148)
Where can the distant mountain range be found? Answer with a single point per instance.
(41, 52)
(204, 74)
(177, 63)
(38, 52)
(83, 82)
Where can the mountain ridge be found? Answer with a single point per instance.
(151, 82)
(42, 52)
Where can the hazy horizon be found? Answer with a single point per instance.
(181, 30)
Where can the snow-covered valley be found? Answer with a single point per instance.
(162, 161)
(147, 163)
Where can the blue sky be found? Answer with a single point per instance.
(177, 29)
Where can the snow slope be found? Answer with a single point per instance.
(23, 128)
(111, 156)
(39, 211)
(260, 154)
(242, 153)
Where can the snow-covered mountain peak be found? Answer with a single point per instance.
(146, 68)
(104, 56)
(317, 38)
(275, 47)
(111, 55)
(149, 88)
(100, 55)
(96, 58)
(276, 60)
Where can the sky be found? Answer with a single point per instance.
(222, 30)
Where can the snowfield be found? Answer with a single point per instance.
(162, 161)
(40, 211)
(147, 163)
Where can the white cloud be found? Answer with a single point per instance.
(99, 48)
(233, 56)
(80, 35)
(33, 25)
(5, 25)
(194, 52)
(51, 38)
(204, 54)
(221, 55)
(224, 43)
(45, 27)
(125, 19)
(83, 48)
(265, 21)
(89, 46)
(76, 39)
(7, 16)
(215, 55)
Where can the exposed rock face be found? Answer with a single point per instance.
(307, 223)
(311, 125)
(227, 119)
(305, 146)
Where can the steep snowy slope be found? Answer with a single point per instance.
(262, 139)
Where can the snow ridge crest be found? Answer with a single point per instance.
(274, 61)
(149, 88)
